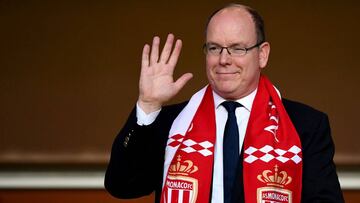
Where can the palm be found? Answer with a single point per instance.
(156, 83)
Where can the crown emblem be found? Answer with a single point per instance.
(279, 179)
(182, 168)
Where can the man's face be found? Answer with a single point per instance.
(233, 77)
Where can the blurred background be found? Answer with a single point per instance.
(69, 74)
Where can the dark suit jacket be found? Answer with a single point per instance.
(137, 157)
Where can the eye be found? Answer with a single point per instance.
(213, 47)
(237, 48)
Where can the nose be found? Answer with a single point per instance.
(225, 57)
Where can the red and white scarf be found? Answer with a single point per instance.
(272, 165)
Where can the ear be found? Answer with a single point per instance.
(264, 51)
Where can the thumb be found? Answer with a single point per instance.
(180, 82)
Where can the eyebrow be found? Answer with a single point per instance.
(231, 45)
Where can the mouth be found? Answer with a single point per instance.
(227, 73)
(227, 76)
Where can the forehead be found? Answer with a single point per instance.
(231, 25)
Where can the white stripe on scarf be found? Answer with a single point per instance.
(181, 125)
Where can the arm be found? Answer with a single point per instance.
(135, 167)
(136, 163)
(320, 181)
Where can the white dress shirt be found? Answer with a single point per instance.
(242, 117)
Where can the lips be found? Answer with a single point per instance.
(227, 73)
(226, 76)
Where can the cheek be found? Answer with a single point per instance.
(209, 74)
(211, 60)
(210, 64)
(248, 67)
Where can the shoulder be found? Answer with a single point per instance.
(302, 112)
(295, 106)
(307, 120)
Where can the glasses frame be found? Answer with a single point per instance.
(246, 49)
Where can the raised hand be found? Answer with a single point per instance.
(157, 85)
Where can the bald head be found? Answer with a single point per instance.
(255, 17)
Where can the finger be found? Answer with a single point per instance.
(154, 55)
(167, 48)
(175, 54)
(179, 84)
(145, 56)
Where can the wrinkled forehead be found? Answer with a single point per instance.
(231, 24)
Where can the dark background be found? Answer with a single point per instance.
(69, 69)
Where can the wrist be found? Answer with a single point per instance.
(149, 107)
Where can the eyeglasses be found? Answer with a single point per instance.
(235, 50)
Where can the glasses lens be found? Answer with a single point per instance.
(238, 51)
(213, 49)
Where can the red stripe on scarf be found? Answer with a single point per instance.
(272, 150)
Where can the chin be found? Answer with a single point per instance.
(225, 91)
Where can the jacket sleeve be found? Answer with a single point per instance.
(135, 166)
(320, 181)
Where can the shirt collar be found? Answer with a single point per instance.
(246, 101)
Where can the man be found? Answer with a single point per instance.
(236, 140)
